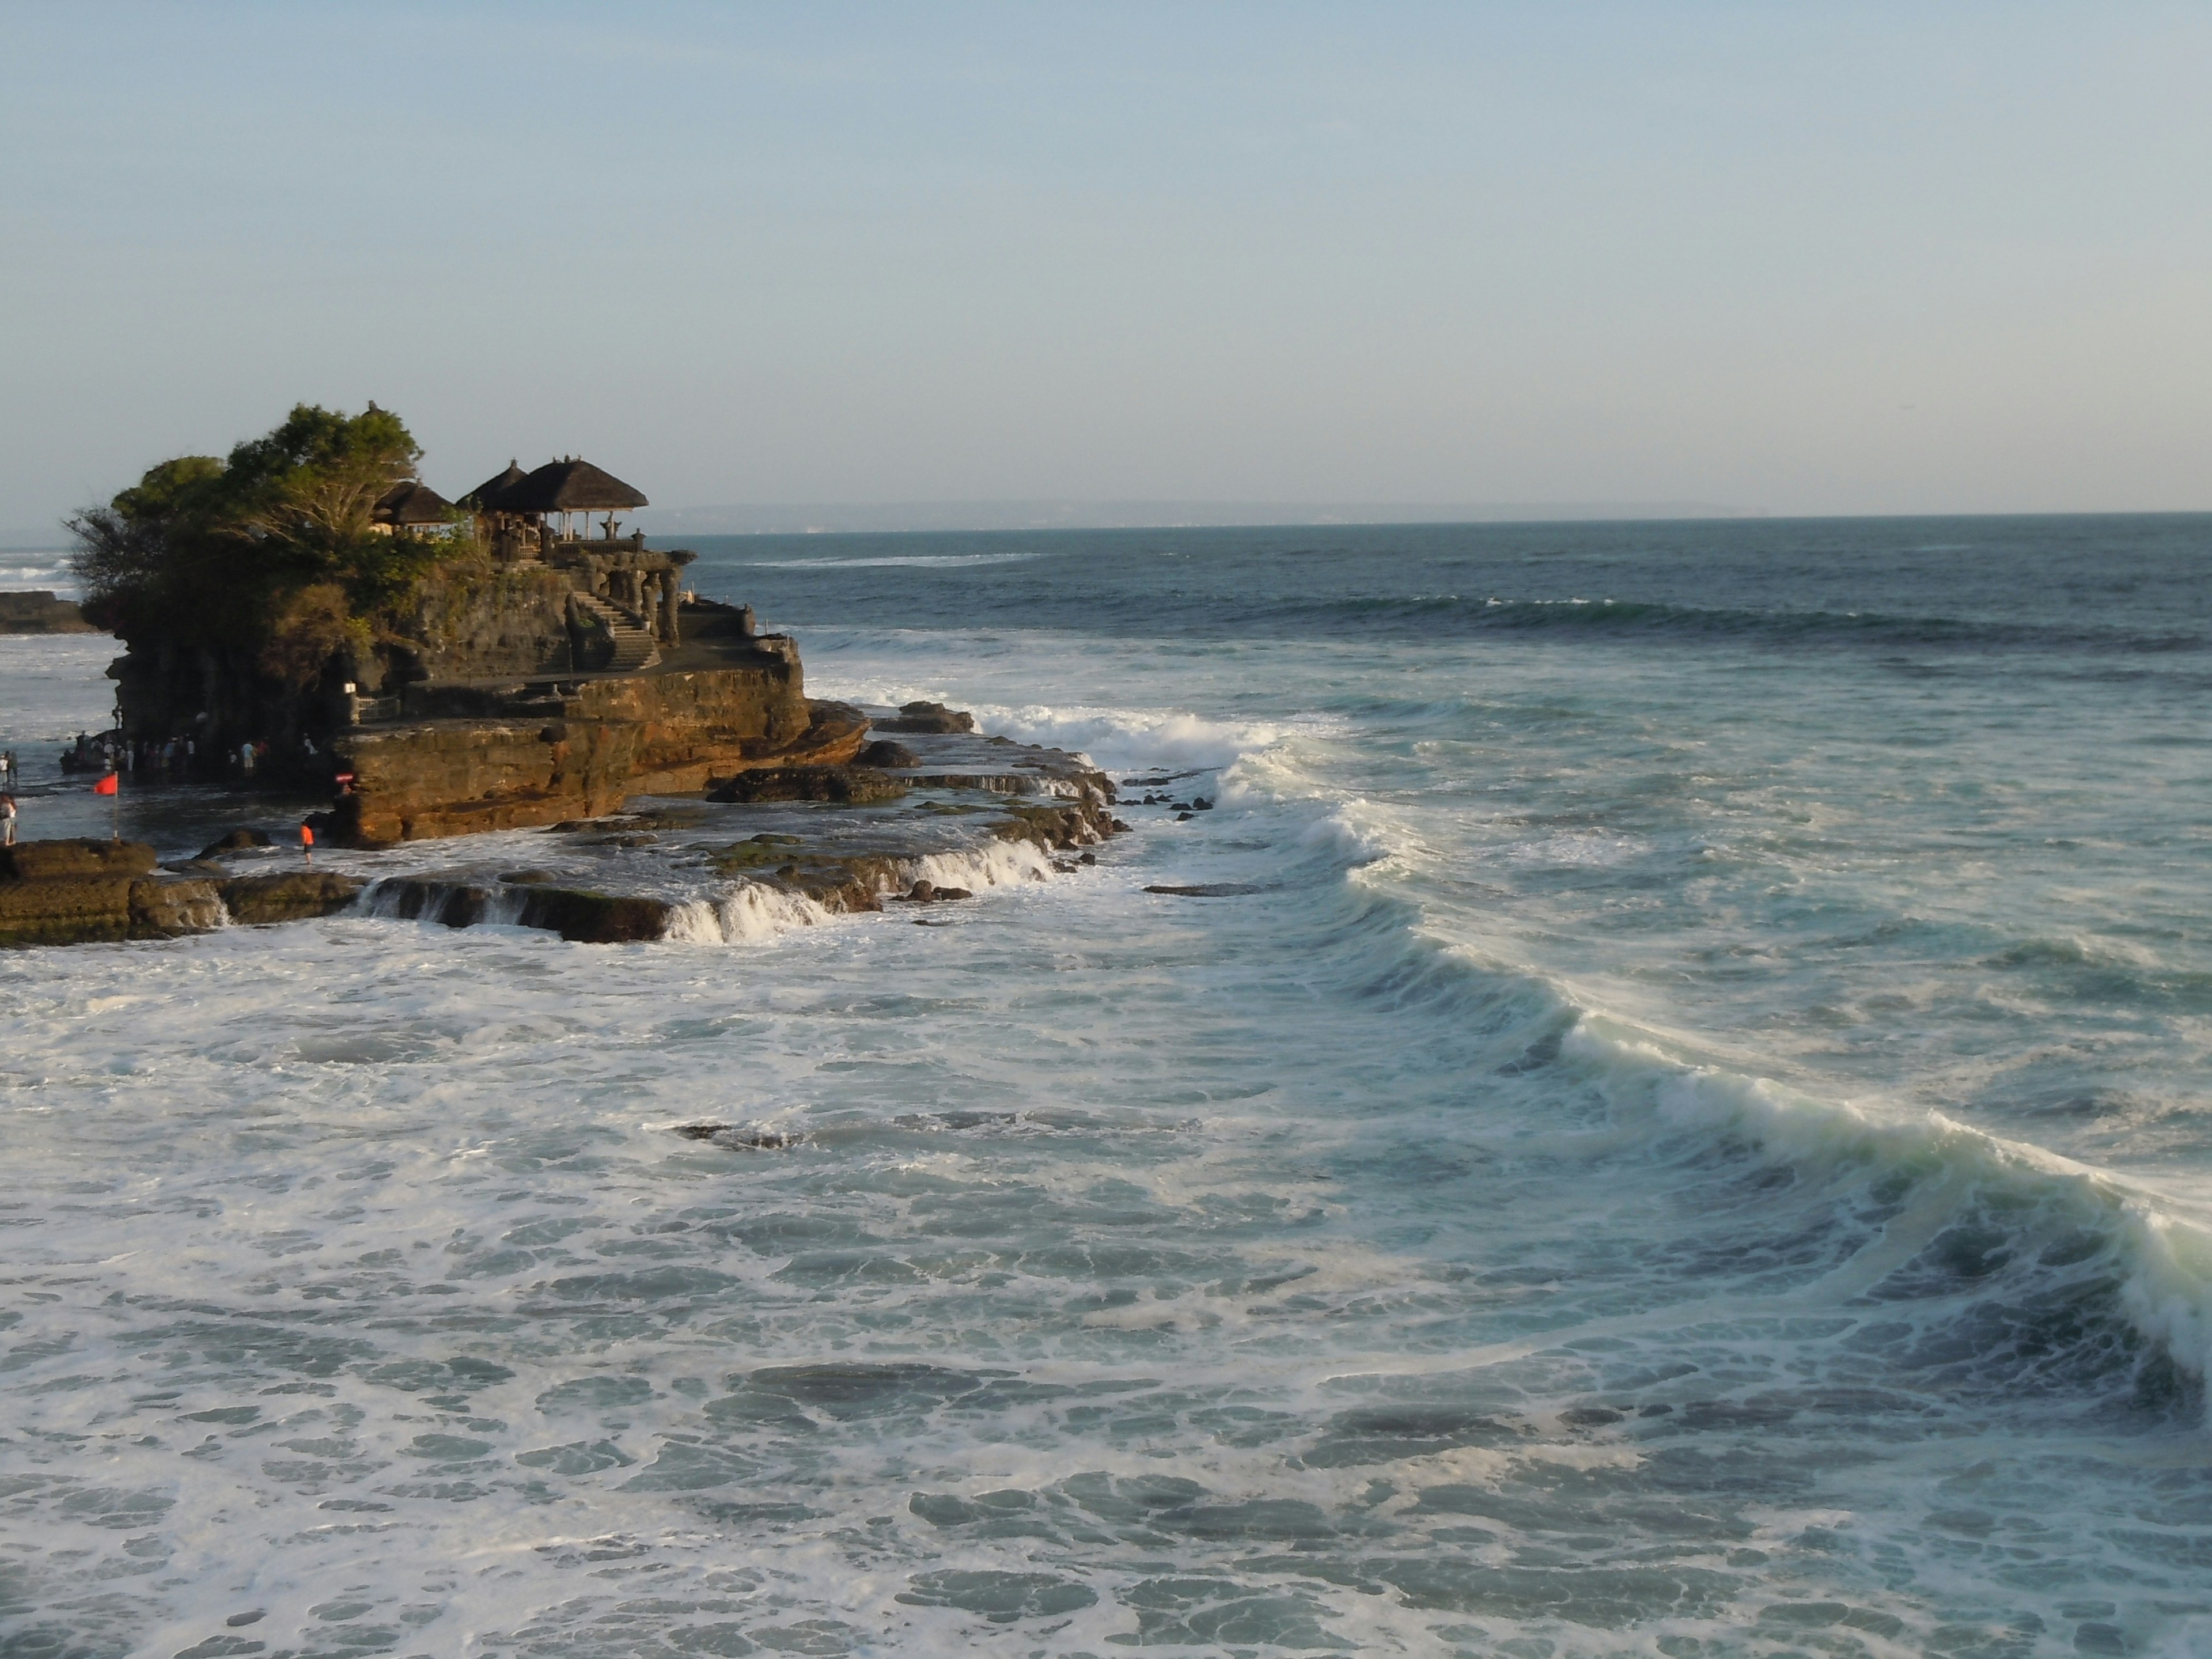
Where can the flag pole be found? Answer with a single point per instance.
(107, 786)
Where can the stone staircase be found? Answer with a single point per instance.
(635, 647)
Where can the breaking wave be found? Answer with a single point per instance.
(753, 913)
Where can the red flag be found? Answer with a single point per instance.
(105, 786)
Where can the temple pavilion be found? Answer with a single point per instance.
(547, 517)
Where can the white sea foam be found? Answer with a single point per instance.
(1272, 1268)
(750, 913)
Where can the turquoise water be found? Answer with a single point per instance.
(1683, 1132)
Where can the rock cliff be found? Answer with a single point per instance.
(579, 750)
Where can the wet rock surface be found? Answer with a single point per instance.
(55, 860)
(850, 786)
(841, 838)
(927, 717)
(290, 896)
(241, 839)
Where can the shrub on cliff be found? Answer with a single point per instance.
(228, 552)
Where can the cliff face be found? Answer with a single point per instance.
(506, 624)
(603, 741)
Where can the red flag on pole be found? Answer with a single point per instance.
(105, 786)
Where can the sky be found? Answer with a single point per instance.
(1787, 258)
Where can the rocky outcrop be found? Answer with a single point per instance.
(294, 896)
(243, 839)
(171, 909)
(847, 786)
(84, 892)
(597, 743)
(75, 860)
(41, 612)
(931, 717)
(884, 752)
(579, 915)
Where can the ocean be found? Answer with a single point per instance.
(1678, 1127)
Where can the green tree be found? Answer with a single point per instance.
(223, 546)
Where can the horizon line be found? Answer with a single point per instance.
(955, 517)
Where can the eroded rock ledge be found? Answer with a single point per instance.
(468, 758)
(844, 838)
(80, 892)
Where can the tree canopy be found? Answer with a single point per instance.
(229, 548)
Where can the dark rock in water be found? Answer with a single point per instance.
(587, 918)
(1206, 889)
(1185, 817)
(930, 717)
(238, 841)
(1590, 1417)
(294, 895)
(944, 893)
(923, 891)
(1180, 806)
(1200, 803)
(1086, 858)
(728, 1134)
(847, 786)
(1120, 827)
(884, 752)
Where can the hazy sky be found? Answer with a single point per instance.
(1803, 258)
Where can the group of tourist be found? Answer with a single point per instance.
(182, 757)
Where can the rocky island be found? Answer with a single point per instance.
(39, 611)
(308, 616)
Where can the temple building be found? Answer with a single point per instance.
(547, 518)
(410, 507)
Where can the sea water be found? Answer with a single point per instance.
(1678, 1127)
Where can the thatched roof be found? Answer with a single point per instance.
(569, 486)
(410, 502)
(487, 497)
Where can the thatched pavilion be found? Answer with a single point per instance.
(408, 508)
(517, 509)
(572, 487)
